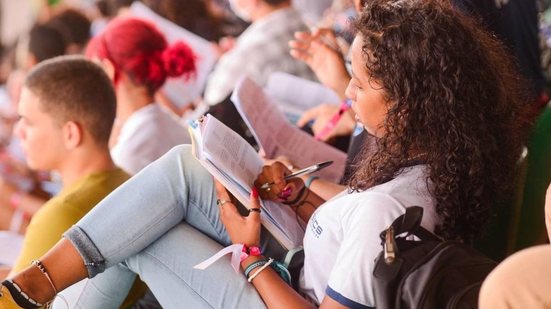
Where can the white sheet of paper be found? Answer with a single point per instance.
(277, 137)
(295, 95)
(231, 153)
(10, 247)
(180, 91)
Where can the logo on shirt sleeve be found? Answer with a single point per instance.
(315, 226)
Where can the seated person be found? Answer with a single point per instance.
(445, 142)
(66, 112)
(260, 50)
(139, 61)
(75, 26)
(21, 190)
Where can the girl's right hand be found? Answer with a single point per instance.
(282, 190)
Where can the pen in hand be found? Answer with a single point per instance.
(304, 171)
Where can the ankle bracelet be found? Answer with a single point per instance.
(42, 269)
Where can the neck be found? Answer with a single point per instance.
(130, 98)
(83, 162)
(265, 9)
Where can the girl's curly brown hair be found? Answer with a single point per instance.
(454, 96)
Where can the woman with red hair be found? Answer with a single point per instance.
(139, 60)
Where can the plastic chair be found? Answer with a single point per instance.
(500, 233)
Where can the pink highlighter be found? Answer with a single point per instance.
(345, 105)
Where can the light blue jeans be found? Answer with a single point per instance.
(159, 224)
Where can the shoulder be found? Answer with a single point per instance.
(381, 204)
(83, 196)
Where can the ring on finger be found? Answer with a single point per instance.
(222, 202)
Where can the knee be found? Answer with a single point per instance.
(178, 155)
(517, 278)
(180, 151)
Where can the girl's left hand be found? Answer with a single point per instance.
(242, 230)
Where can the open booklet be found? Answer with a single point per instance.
(277, 137)
(295, 95)
(236, 164)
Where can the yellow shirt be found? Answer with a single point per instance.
(63, 211)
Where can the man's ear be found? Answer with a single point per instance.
(109, 68)
(73, 134)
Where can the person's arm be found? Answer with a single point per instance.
(291, 192)
(320, 117)
(323, 188)
(273, 290)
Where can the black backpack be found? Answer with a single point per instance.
(429, 273)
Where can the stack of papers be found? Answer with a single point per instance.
(236, 164)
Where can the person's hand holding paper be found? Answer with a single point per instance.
(319, 118)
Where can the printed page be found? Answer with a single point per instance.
(235, 164)
(295, 95)
(277, 137)
(180, 90)
(230, 152)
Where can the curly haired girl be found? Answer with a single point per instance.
(443, 102)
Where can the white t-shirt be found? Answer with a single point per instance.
(342, 237)
(147, 135)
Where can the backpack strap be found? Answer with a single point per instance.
(410, 223)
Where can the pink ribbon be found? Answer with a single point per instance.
(237, 255)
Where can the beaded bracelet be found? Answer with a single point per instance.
(278, 267)
(268, 263)
(254, 265)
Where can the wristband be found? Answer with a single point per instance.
(278, 267)
(309, 181)
(253, 266)
(282, 271)
(268, 263)
(249, 251)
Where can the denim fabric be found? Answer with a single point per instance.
(159, 224)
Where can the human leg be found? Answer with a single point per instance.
(174, 188)
(520, 281)
(133, 216)
(167, 267)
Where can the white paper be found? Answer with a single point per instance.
(10, 247)
(236, 164)
(295, 95)
(180, 91)
(277, 137)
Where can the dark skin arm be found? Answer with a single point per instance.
(275, 292)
